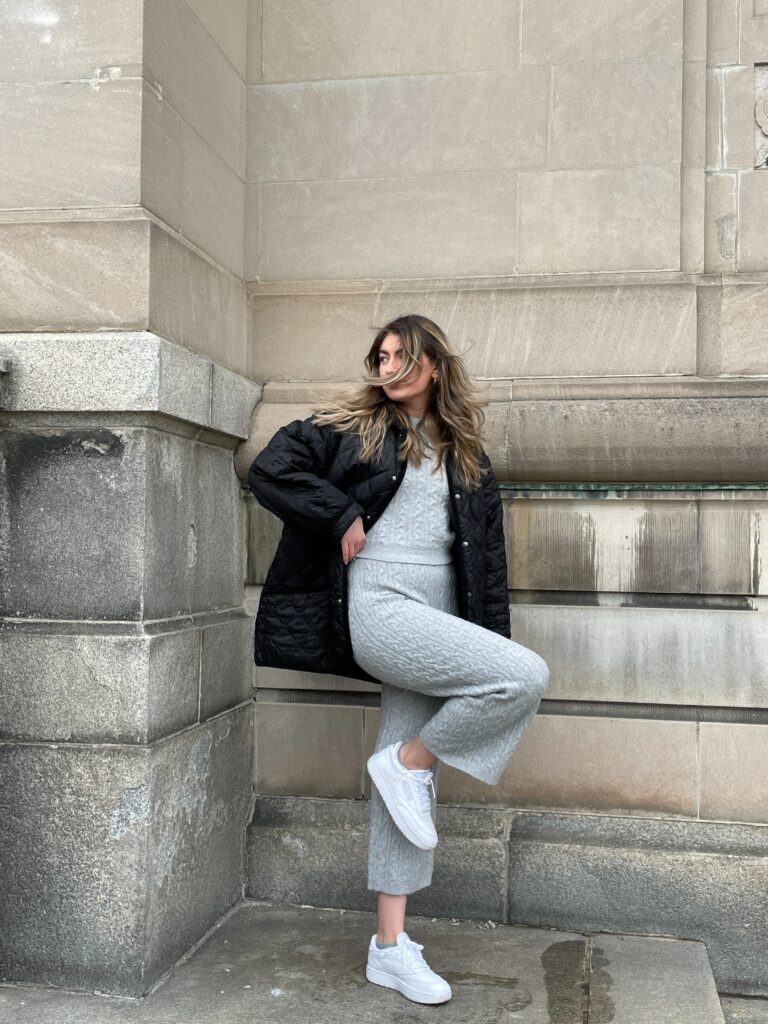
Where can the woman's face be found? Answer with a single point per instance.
(412, 389)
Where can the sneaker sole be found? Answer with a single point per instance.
(388, 796)
(388, 981)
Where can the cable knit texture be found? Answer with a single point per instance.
(469, 692)
(416, 524)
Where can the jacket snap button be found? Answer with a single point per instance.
(394, 478)
(338, 600)
(465, 543)
(368, 516)
(457, 495)
(469, 593)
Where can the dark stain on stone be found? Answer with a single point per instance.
(563, 964)
(26, 451)
(601, 1006)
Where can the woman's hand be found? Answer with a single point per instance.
(352, 540)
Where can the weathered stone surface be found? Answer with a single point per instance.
(304, 41)
(734, 765)
(117, 859)
(482, 121)
(315, 851)
(685, 878)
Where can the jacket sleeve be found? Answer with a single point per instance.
(288, 478)
(496, 613)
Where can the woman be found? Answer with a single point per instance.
(392, 568)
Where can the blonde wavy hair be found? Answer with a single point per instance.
(454, 416)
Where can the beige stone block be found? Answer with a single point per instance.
(720, 225)
(281, 678)
(161, 158)
(252, 229)
(309, 750)
(370, 735)
(580, 762)
(593, 220)
(520, 332)
(70, 41)
(753, 221)
(70, 144)
(311, 337)
(600, 113)
(753, 32)
(227, 22)
(255, 48)
(603, 545)
(732, 555)
(713, 133)
(662, 655)
(734, 766)
(694, 115)
(692, 217)
(74, 275)
(743, 329)
(212, 203)
(723, 32)
(450, 224)
(561, 32)
(304, 40)
(197, 304)
(396, 127)
(184, 62)
(695, 30)
(738, 117)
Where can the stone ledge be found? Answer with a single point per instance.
(131, 371)
(643, 429)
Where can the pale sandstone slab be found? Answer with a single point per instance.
(82, 151)
(694, 114)
(734, 766)
(212, 203)
(226, 20)
(443, 225)
(623, 765)
(306, 40)
(720, 228)
(311, 337)
(520, 332)
(692, 216)
(309, 750)
(70, 41)
(183, 60)
(600, 113)
(255, 47)
(398, 126)
(608, 224)
(561, 32)
(753, 32)
(743, 327)
(196, 303)
(649, 655)
(723, 32)
(738, 117)
(161, 158)
(74, 275)
(753, 221)
(713, 131)
(695, 30)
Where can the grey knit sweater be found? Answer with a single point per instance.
(415, 526)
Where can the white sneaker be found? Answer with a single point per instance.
(406, 795)
(402, 967)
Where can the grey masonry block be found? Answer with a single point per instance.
(115, 524)
(315, 850)
(114, 859)
(124, 371)
(691, 879)
(130, 683)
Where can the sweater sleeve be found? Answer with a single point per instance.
(496, 614)
(287, 477)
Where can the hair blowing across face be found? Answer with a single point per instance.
(454, 414)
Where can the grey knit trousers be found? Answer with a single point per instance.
(467, 692)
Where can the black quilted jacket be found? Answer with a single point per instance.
(312, 478)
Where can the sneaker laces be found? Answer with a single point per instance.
(412, 955)
(425, 804)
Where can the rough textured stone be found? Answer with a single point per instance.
(115, 860)
(685, 878)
